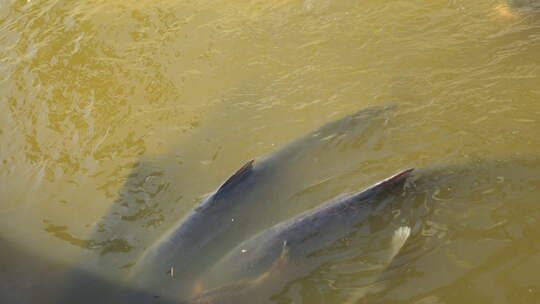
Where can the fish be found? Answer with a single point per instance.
(251, 200)
(289, 249)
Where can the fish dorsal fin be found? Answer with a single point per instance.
(236, 178)
(397, 178)
(386, 184)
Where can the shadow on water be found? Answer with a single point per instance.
(21, 280)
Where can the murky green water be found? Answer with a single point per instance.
(117, 117)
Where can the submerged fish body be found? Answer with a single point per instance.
(170, 267)
(295, 240)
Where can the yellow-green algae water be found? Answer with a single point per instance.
(117, 117)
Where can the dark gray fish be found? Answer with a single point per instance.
(291, 247)
(251, 200)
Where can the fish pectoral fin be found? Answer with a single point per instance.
(284, 251)
(277, 266)
(400, 237)
(236, 178)
(398, 241)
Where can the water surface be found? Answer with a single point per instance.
(117, 117)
